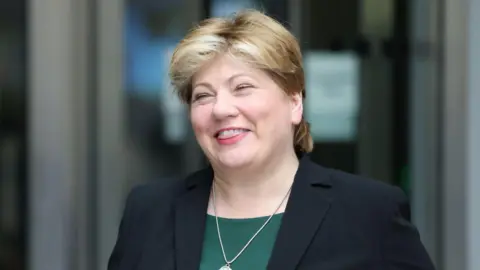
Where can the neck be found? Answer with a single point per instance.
(254, 191)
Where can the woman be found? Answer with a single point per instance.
(261, 204)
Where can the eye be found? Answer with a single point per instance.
(199, 96)
(243, 86)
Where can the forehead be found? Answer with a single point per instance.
(223, 68)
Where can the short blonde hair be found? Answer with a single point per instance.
(255, 39)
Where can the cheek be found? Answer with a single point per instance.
(265, 114)
(277, 120)
(271, 107)
(199, 120)
(260, 105)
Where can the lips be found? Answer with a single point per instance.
(229, 133)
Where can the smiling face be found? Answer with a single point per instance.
(240, 116)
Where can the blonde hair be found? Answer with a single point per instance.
(254, 38)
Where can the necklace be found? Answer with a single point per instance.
(228, 263)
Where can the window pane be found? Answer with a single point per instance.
(12, 135)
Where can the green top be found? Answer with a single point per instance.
(235, 234)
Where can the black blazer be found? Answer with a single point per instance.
(333, 221)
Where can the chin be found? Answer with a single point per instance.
(234, 160)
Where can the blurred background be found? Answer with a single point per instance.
(86, 112)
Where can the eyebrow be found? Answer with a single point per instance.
(208, 85)
(236, 76)
(205, 84)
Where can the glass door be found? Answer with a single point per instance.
(357, 85)
(12, 135)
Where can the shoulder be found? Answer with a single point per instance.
(148, 210)
(145, 195)
(360, 186)
(366, 195)
(158, 196)
(378, 210)
(372, 204)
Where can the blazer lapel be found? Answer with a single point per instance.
(306, 209)
(190, 216)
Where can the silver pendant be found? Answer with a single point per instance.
(225, 267)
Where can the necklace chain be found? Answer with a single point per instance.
(229, 262)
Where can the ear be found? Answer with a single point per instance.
(297, 108)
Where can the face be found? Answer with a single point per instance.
(240, 116)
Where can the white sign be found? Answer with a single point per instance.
(332, 95)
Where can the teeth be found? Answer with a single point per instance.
(230, 133)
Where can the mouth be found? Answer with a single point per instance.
(230, 133)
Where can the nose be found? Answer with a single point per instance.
(224, 106)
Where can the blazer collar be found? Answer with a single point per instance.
(306, 209)
(190, 218)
